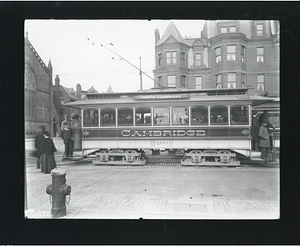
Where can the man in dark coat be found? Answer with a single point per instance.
(254, 131)
(270, 127)
(264, 141)
(39, 137)
(67, 136)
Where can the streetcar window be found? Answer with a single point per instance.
(108, 117)
(143, 116)
(161, 116)
(125, 117)
(218, 115)
(181, 116)
(239, 115)
(199, 115)
(90, 117)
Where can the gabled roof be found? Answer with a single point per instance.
(68, 91)
(92, 90)
(109, 89)
(171, 31)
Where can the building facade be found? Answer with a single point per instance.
(227, 54)
(63, 95)
(38, 96)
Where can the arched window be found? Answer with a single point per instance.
(30, 97)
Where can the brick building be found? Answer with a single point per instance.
(39, 108)
(227, 54)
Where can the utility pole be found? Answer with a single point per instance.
(141, 83)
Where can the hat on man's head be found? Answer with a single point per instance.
(254, 112)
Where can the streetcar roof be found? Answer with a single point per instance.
(139, 100)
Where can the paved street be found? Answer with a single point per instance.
(157, 192)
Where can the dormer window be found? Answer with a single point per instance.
(223, 29)
(232, 29)
(259, 30)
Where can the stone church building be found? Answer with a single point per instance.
(39, 108)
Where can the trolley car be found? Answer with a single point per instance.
(207, 126)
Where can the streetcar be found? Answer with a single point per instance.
(206, 127)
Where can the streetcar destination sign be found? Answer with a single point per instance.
(150, 97)
(163, 133)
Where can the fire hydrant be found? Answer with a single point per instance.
(58, 190)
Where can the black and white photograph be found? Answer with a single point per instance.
(174, 119)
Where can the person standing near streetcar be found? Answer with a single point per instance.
(76, 128)
(254, 131)
(264, 141)
(67, 136)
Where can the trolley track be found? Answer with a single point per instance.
(164, 160)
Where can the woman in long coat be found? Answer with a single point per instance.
(48, 149)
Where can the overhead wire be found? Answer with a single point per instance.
(122, 58)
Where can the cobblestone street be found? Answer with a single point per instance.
(158, 192)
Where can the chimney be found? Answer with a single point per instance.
(78, 91)
(57, 80)
(157, 36)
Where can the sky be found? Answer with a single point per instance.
(77, 57)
